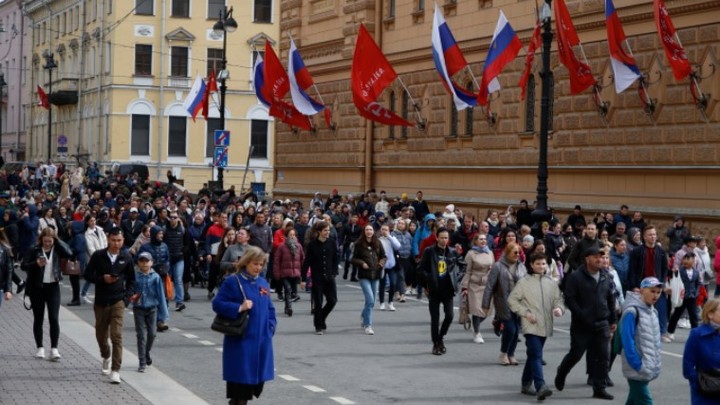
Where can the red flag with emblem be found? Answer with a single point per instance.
(673, 49)
(44, 100)
(529, 58)
(580, 74)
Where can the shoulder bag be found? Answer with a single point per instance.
(232, 327)
(709, 382)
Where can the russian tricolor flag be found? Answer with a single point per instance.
(300, 80)
(259, 80)
(625, 68)
(504, 48)
(449, 60)
(194, 101)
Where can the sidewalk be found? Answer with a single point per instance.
(76, 378)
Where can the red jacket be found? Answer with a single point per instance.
(285, 264)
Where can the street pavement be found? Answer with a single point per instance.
(344, 366)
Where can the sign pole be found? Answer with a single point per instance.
(247, 166)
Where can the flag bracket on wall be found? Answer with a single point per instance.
(649, 103)
(699, 98)
(602, 106)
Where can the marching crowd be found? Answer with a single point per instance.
(143, 243)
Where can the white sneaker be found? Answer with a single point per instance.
(666, 338)
(106, 366)
(383, 307)
(40, 354)
(391, 307)
(54, 354)
(478, 338)
(86, 299)
(671, 336)
(115, 377)
(369, 330)
(684, 323)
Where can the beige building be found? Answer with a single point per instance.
(662, 164)
(124, 69)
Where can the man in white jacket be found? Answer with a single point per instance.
(391, 245)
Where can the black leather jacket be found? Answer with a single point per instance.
(429, 264)
(61, 250)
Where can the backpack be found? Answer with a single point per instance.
(617, 340)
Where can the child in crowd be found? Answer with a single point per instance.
(149, 304)
(690, 277)
(640, 336)
(535, 299)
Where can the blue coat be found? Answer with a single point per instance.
(701, 352)
(248, 359)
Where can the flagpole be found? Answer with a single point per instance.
(648, 102)
(693, 75)
(421, 122)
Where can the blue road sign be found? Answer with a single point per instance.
(221, 156)
(222, 138)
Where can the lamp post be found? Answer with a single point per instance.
(2, 84)
(226, 23)
(49, 65)
(541, 212)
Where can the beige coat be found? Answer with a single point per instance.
(476, 275)
(537, 295)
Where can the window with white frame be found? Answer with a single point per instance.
(143, 60)
(144, 7)
(140, 136)
(259, 139)
(215, 7)
(177, 134)
(263, 11)
(179, 61)
(180, 8)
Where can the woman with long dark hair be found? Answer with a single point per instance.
(369, 258)
(289, 257)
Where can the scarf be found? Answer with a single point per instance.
(291, 245)
(481, 249)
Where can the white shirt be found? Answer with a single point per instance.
(48, 276)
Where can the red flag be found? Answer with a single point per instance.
(212, 83)
(580, 74)
(210, 87)
(535, 42)
(276, 84)
(44, 100)
(328, 119)
(288, 114)
(370, 74)
(673, 50)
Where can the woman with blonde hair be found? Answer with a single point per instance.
(248, 359)
(702, 352)
(479, 261)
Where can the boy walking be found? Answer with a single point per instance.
(148, 302)
(640, 335)
(690, 277)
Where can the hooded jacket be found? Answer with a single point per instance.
(536, 294)
(641, 359)
(28, 230)
(77, 243)
(159, 251)
(421, 233)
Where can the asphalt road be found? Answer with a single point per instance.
(394, 366)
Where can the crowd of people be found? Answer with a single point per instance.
(143, 244)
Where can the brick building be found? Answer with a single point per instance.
(663, 163)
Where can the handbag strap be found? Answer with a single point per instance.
(237, 277)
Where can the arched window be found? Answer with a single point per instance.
(453, 119)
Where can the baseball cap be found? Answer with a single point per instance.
(592, 250)
(145, 256)
(133, 209)
(649, 282)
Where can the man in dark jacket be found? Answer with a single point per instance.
(114, 276)
(439, 270)
(676, 234)
(588, 240)
(175, 241)
(321, 257)
(589, 294)
(131, 227)
(650, 260)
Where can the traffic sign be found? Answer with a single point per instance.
(221, 156)
(222, 138)
(62, 140)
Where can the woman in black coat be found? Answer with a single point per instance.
(42, 264)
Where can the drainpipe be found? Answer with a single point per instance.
(161, 102)
(31, 105)
(82, 139)
(100, 110)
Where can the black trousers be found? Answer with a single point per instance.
(327, 289)
(47, 296)
(437, 332)
(597, 346)
(289, 287)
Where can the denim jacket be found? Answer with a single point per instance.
(151, 292)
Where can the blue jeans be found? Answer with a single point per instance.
(533, 372)
(392, 275)
(639, 393)
(176, 272)
(145, 331)
(370, 290)
(510, 333)
(662, 307)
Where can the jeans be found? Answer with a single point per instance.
(476, 321)
(403, 268)
(393, 275)
(109, 321)
(511, 331)
(162, 282)
(145, 330)
(691, 305)
(597, 345)
(370, 290)
(437, 332)
(662, 307)
(322, 287)
(176, 272)
(639, 393)
(48, 295)
(533, 372)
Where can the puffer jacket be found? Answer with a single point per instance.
(406, 241)
(538, 295)
(501, 281)
(285, 264)
(641, 359)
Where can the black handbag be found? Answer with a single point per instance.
(232, 327)
(709, 383)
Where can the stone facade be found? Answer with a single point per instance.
(662, 163)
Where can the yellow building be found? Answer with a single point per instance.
(124, 69)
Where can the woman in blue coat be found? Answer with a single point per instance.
(702, 351)
(247, 360)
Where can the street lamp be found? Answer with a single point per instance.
(541, 212)
(226, 23)
(49, 65)
(2, 84)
